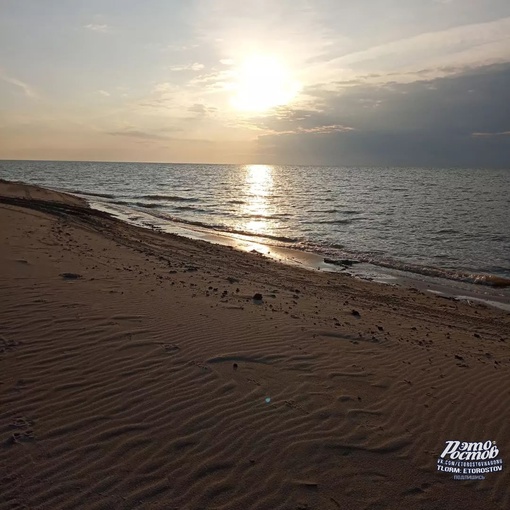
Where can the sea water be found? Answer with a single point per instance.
(443, 222)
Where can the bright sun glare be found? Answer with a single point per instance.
(263, 82)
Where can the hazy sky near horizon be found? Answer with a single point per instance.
(373, 82)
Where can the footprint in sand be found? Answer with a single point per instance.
(21, 423)
(7, 345)
(18, 437)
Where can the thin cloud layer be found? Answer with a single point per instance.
(26, 89)
(95, 27)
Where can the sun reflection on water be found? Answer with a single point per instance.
(259, 185)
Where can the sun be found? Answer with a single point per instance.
(262, 83)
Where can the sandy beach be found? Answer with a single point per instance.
(138, 371)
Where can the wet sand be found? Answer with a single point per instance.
(137, 371)
(490, 289)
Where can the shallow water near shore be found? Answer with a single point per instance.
(446, 224)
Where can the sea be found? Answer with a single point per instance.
(434, 225)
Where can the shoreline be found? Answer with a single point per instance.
(494, 296)
(138, 371)
(460, 281)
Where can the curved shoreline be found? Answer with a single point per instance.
(426, 279)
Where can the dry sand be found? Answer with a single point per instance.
(153, 380)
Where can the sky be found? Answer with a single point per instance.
(301, 82)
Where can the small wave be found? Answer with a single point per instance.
(236, 202)
(499, 238)
(335, 211)
(169, 198)
(448, 231)
(189, 208)
(257, 216)
(224, 228)
(282, 239)
(345, 221)
(448, 274)
(147, 206)
(378, 258)
(89, 194)
(492, 280)
(500, 270)
(265, 216)
(121, 202)
(336, 222)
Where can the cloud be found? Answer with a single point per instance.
(290, 30)
(96, 27)
(501, 133)
(332, 128)
(187, 67)
(145, 137)
(27, 89)
(323, 41)
(287, 121)
(215, 80)
(167, 96)
(164, 87)
(162, 96)
(202, 111)
(142, 135)
(104, 93)
(460, 120)
(460, 45)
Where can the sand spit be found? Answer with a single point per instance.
(137, 371)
